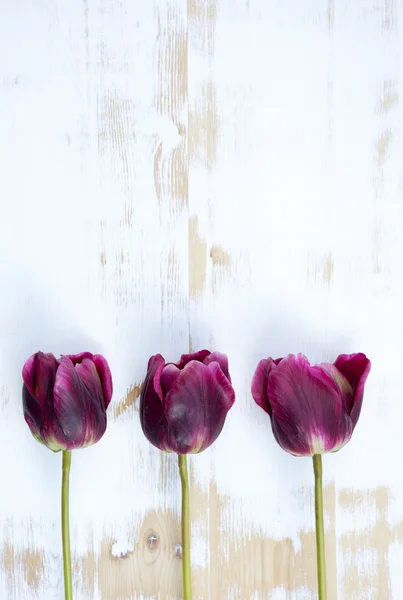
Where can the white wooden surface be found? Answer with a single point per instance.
(224, 174)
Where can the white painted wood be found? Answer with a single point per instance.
(223, 174)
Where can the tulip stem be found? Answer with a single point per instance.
(186, 565)
(320, 531)
(68, 581)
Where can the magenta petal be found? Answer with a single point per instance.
(342, 386)
(79, 410)
(222, 360)
(105, 376)
(196, 407)
(259, 383)
(28, 374)
(152, 417)
(168, 376)
(77, 358)
(199, 356)
(355, 368)
(307, 409)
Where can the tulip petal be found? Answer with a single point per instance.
(103, 369)
(39, 374)
(28, 374)
(152, 417)
(355, 368)
(221, 359)
(259, 383)
(105, 376)
(342, 385)
(199, 356)
(32, 412)
(196, 407)
(78, 410)
(87, 372)
(158, 362)
(77, 358)
(168, 376)
(292, 441)
(308, 416)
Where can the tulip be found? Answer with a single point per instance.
(183, 407)
(65, 402)
(313, 410)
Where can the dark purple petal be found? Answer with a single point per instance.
(105, 376)
(199, 356)
(39, 374)
(307, 409)
(79, 410)
(196, 407)
(103, 369)
(87, 372)
(32, 412)
(298, 444)
(293, 441)
(222, 360)
(355, 368)
(152, 417)
(168, 376)
(259, 383)
(157, 374)
(51, 433)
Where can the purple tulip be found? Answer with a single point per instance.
(183, 406)
(313, 410)
(65, 400)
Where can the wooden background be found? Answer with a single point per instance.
(177, 175)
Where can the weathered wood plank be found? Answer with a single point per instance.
(187, 174)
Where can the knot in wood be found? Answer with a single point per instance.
(152, 540)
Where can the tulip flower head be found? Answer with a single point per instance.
(183, 406)
(313, 409)
(65, 399)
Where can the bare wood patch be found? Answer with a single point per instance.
(204, 126)
(389, 98)
(322, 270)
(171, 164)
(28, 561)
(222, 266)
(116, 135)
(197, 259)
(149, 565)
(203, 111)
(128, 402)
(360, 574)
(382, 147)
(248, 563)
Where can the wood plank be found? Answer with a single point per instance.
(186, 174)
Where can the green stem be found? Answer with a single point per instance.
(186, 565)
(68, 580)
(320, 531)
